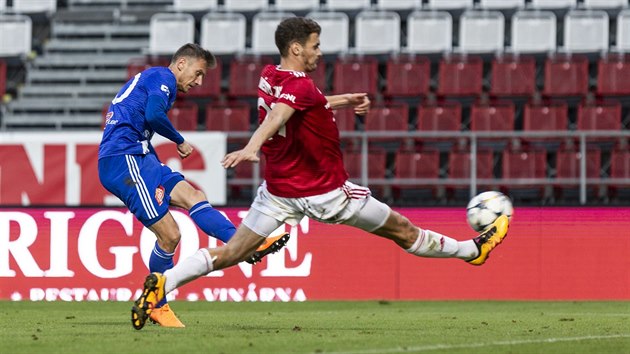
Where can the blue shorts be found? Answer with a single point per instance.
(142, 182)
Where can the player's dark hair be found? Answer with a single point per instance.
(192, 50)
(294, 29)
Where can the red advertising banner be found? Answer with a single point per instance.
(75, 254)
(60, 168)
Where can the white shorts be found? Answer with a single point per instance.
(349, 204)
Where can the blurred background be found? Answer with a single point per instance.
(530, 97)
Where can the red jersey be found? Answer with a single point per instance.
(303, 158)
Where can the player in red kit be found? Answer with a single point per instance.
(305, 176)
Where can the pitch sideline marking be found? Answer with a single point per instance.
(426, 348)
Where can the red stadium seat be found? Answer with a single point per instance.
(568, 162)
(407, 76)
(355, 74)
(459, 165)
(414, 166)
(620, 168)
(345, 119)
(524, 164)
(460, 75)
(393, 116)
(245, 75)
(184, 116)
(603, 115)
(445, 116)
(136, 65)
(210, 86)
(613, 75)
(376, 163)
(545, 116)
(513, 75)
(3, 78)
(229, 117)
(493, 116)
(566, 76)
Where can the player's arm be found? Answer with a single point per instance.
(155, 113)
(359, 101)
(275, 119)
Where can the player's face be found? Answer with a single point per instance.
(191, 73)
(311, 53)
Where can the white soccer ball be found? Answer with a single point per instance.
(484, 208)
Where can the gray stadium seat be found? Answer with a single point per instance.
(623, 31)
(481, 31)
(348, 4)
(195, 5)
(335, 36)
(296, 5)
(533, 31)
(3, 5)
(586, 31)
(605, 4)
(264, 26)
(27, 6)
(233, 29)
(501, 4)
(398, 4)
(553, 4)
(169, 31)
(377, 32)
(429, 32)
(15, 35)
(450, 4)
(245, 5)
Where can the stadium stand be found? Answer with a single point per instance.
(414, 171)
(263, 28)
(245, 5)
(169, 31)
(445, 116)
(553, 4)
(429, 32)
(376, 168)
(460, 75)
(495, 116)
(613, 75)
(15, 35)
(244, 75)
(335, 36)
(450, 4)
(407, 76)
(459, 167)
(523, 166)
(184, 115)
(195, 5)
(377, 32)
(296, 5)
(566, 75)
(398, 4)
(586, 31)
(348, 4)
(501, 4)
(545, 117)
(513, 75)
(568, 166)
(30, 6)
(233, 29)
(353, 73)
(623, 31)
(481, 32)
(533, 31)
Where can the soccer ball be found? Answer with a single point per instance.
(484, 208)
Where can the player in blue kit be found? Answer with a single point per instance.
(130, 169)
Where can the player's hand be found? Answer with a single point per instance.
(184, 150)
(360, 102)
(234, 158)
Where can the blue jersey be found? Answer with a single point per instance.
(131, 122)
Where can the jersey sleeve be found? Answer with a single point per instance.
(161, 86)
(297, 93)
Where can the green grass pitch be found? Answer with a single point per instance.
(368, 327)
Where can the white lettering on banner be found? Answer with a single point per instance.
(122, 254)
(276, 266)
(19, 247)
(82, 294)
(59, 243)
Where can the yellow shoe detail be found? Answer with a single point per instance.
(490, 238)
(152, 293)
(165, 317)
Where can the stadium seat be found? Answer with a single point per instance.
(450, 4)
(345, 119)
(407, 76)
(605, 4)
(568, 162)
(195, 5)
(513, 75)
(553, 4)
(345, 5)
(613, 75)
(228, 117)
(3, 78)
(524, 164)
(31, 6)
(335, 36)
(233, 29)
(414, 167)
(501, 4)
(443, 116)
(603, 115)
(460, 75)
(169, 31)
(245, 74)
(377, 32)
(481, 31)
(566, 75)
(15, 35)
(184, 116)
(586, 31)
(492, 116)
(533, 32)
(245, 5)
(545, 116)
(459, 167)
(264, 26)
(296, 5)
(429, 32)
(3, 5)
(377, 159)
(620, 168)
(382, 118)
(398, 4)
(210, 86)
(355, 74)
(140, 64)
(623, 31)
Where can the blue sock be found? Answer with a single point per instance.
(160, 261)
(211, 221)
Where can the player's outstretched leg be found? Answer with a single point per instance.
(152, 293)
(271, 245)
(489, 239)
